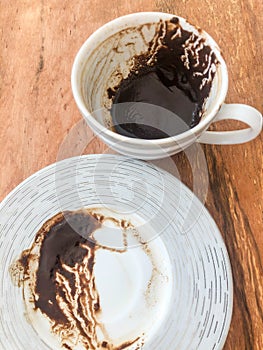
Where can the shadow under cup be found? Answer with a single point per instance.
(108, 57)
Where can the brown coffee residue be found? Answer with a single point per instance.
(176, 74)
(58, 271)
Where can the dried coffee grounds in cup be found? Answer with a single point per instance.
(175, 74)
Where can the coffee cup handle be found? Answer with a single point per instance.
(244, 113)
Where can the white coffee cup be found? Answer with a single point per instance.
(109, 51)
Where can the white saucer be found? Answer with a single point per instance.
(194, 296)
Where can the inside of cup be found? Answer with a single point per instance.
(110, 54)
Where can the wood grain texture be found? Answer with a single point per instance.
(38, 42)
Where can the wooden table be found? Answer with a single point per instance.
(38, 42)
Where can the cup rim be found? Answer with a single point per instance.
(121, 23)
